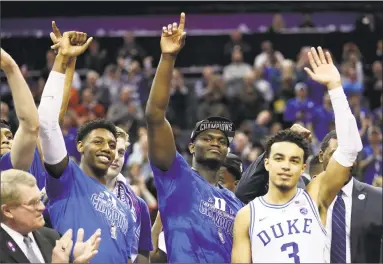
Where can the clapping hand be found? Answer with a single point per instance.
(83, 252)
(173, 37)
(62, 250)
(323, 69)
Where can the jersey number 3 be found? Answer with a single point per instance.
(292, 246)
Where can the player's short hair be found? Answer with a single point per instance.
(10, 182)
(125, 136)
(91, 125)
(291, 136)
(326, 140)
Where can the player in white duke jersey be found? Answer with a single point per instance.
(287, 224)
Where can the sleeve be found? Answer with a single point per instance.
(145, 242)
(60, 188)
(5, 162)
(254, 181)
(129, 234)
(168, 181)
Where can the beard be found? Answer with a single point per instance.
(213, 164)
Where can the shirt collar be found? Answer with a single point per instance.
(16, 236)
(347, 189)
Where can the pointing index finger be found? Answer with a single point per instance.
(56, 30)
(182, 21)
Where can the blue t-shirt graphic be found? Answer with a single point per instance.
(142, 239)
(79, 201)
(37, 169)
(198, 218)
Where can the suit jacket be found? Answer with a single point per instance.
(255, 181)
(366, 223)
(45, 239)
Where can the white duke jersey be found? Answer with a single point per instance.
(288, 233)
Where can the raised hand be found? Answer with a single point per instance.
(323, 69)
(63, 248)
(71, 43)
(83, 252)
(303, 131)
(6, 61)
(173, 37)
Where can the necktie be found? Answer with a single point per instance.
(338, 234)
(30, 253)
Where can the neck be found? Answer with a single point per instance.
(276, 196)
(98, 175)
(110, 182)
(209, 173)
(16, 228)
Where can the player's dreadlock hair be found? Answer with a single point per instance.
(91, 125)
(291, 136)
(326, 140)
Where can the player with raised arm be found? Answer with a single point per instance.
(286, 224)
(36, 167)
(78, 193)
(197, 213)
(18, 152)
(117, 183)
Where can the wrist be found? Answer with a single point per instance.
(167, 56)
(60, 63)
(334, 85)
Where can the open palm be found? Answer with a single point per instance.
(173, 37)
(85, 251)
(323, 68)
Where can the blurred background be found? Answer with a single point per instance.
(242, 60)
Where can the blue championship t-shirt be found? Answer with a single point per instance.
(79, 201)
(142, 239)
(197, 217)
(37, 169)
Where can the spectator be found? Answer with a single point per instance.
(95, 59)
(236, 41)
(89, 108)
(307, 21)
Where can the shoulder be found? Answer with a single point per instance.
(49, 234)
(371, 190)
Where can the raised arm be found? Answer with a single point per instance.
(24, 142)
(241, 252)
(331, 181)
(52, 140)
(162, 149)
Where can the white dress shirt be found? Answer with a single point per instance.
(347, 198)
(161, 242)
(19, 240)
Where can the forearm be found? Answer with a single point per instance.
(52, 141)
(69, 73)
(349, 141)
(160, 92)
(24, 103)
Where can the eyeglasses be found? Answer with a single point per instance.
(35, 203)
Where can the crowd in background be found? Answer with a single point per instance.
(262, 97)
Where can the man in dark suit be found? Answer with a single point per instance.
(362, 227)
(23, 235)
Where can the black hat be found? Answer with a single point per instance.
(4, 124)
(215, 122)
(233, 164)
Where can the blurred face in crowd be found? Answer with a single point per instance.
(377, 68)
(87, 96)
(285, 165)
(210, 147)
(236, 36)
(27, 212)
(92, 78)
(125, 95)
(237, 56)
(375, 136)
(98, 150)
(6, 140)
(240, 141)
(226, 179)
(301, 93)
(207, 72)
(119, 159)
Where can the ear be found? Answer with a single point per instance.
(267, 164)
(5, 211)
(320, 156)
(80, 147)
(191, 148)
(236, 183)
(303, 168)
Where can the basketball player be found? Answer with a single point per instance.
(77, 195)
(20, 149)
(197, 213)
(286, 225)
(36, 167)
(117, 183)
